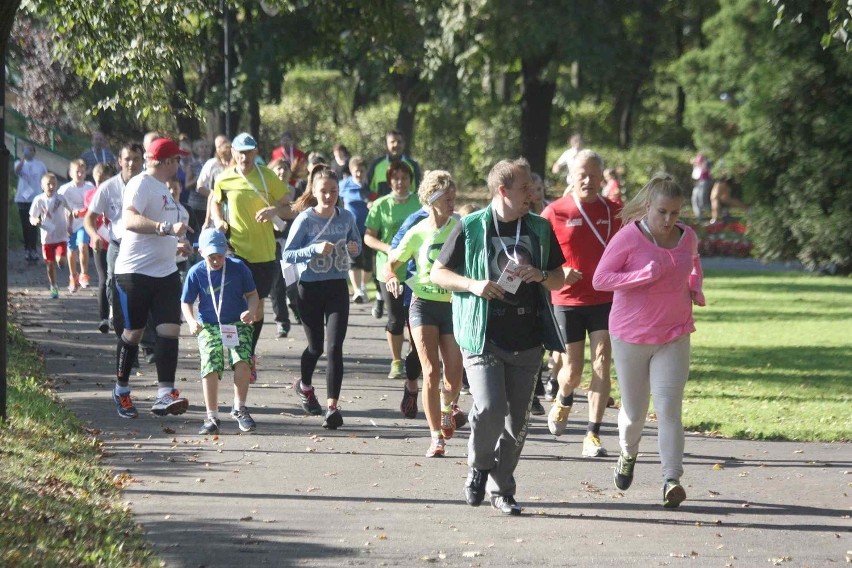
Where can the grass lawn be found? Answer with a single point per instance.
(60, 507)
(772, 357)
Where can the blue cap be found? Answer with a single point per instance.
(212, 241)
(244, 142)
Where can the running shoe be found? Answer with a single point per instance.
(397, 369)
(551, 389)
(103, 327)
(474, 487)
(333, 419)
(253, 375)
(210, 427)
(379, 309)
(465, 387)
(307, 398)
(408, 406)
(448, 424)
(623, 475)
(459, 417)
(171, 403)
(536, 409)
(506, 504)
(673, 494)
(281, 330)
(124, 405)
(244, 420)
(54, 292)
(84, 281)
(73, 286)
(436, 448)
(592, 446)
(297, 316)
(557, 420)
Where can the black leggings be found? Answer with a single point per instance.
(101, 266)
(28, 230)
(396, 309)
(324, 304)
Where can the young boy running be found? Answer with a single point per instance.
(50, 212)
(74, 193)
(227, 298)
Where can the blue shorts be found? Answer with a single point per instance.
(78, 238)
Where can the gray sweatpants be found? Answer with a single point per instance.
(502, 384)
(661, 371)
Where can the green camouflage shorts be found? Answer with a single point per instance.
(213, 353)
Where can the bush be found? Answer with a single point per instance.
(493, 136)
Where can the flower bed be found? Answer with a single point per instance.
(723, 239)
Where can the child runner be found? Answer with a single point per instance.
(74, 193)
(354, 193)
(227, 300)
(50, 212)
(321, 241)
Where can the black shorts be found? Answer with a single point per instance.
(364, 261)
(140, 295)
(576, 321)
(429, 312)
(263, 274)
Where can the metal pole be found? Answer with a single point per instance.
(227, 52)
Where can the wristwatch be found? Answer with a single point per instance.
(165, 228)
(544, 275)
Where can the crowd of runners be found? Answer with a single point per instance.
(191, 233)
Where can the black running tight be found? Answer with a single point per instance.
(324, 307)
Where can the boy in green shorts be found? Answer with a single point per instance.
(227, 300)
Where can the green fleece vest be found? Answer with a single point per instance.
(470, 312)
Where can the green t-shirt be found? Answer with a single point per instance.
(385, 218)
(423, 243)
(253, 241)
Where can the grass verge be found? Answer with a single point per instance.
(60, 506)
(772, 357)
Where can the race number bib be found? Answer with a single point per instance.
(230, 337)
(510, 280)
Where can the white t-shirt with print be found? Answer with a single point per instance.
(75, 195)
(152, 255)
(53, 214)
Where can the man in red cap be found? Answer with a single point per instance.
(148, 280)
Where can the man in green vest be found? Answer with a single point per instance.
(501, 264)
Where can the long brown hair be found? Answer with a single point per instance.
(307, 199)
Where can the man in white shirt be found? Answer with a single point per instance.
(567, 157)
(29, 171)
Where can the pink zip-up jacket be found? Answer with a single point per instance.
(653, 286)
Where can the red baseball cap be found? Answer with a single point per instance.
(164, 148)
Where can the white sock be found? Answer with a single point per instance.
(121, 391)
(239, 404)
(163, 391)
(213, 414)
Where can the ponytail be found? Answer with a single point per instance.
(660, 184)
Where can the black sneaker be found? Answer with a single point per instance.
(474, 487)
(171, 403)
(297, 316)
(506, 504)
(333, 419)
(379, 309)
(536, 409)
(408, 406)
(244, 420)
(551, 389)
(623, 475)
(103, 327)
(124, 405)
(210, 427)
(281, 330)
(673, 494)
(308, 399)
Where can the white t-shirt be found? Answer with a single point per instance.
(211, 170)
(53, 214)
(151, 255)
(75, 195)
(109, 202)
(29, 180)
(566, 159)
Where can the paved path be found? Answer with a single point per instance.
(293, 494)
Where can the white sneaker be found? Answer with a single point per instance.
(592, 446)
(557, 419)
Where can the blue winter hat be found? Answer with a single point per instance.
(212, 241)
(244, 142)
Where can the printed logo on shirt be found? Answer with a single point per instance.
(574, 222)
(602, 222)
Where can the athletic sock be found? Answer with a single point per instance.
(164, 389)
(122, 390)
(566, 400)
(594, 428)
(239, 404)
(213, 414)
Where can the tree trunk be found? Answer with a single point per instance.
(680, 108)
(187, 123)
(536, 108)
(411, 91)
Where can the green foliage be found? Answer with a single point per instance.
(442, 142)
(493, 136)
(60, 506)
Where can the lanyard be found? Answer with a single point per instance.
(499, 238)
(103, 155)
(217, 307)
(648, 230)
(589, 222)
(254, 187)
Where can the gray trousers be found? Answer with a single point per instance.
(502, 384)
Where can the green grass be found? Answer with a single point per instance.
(772, 357)
(60, 506)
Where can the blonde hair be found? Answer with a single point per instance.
(79, 163)
(434, 182)
(660, 183)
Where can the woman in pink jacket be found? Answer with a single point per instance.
(652, 266)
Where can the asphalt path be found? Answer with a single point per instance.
(293, 494)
